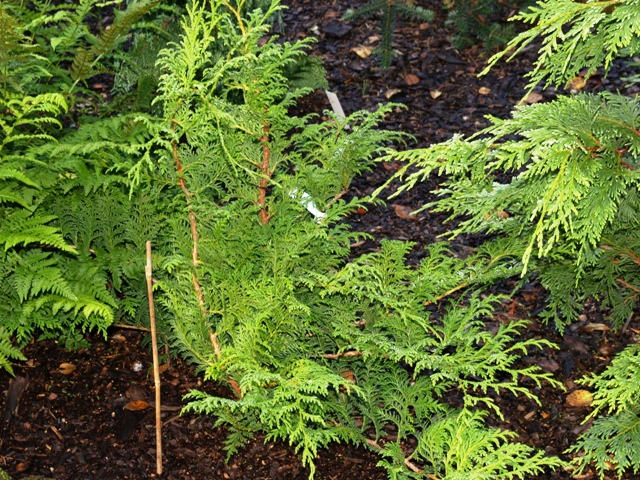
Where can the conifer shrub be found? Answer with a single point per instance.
(256, 289)
(243, 204)
(569, 210)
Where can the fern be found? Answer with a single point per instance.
(85, 62)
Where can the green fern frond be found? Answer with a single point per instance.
(8, 352)
(85, 61)
(24, 228)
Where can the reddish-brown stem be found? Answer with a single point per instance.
(216, 348)
(192, 223)
(266, 175)
(627, 285)
(634, 258)
(407, 461)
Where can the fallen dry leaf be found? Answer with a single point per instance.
(549, 365)
(592, 327)
(533, 97)
(118, 337)
(348, 376)
(484, 90)
(391, 92)
(411, 79)
(373, 38)
(331, 14)
(576, 83)
(435, 93)
(66, 368)
(405, 213)
(423, 26)
(137, 405)
(362, 51)
(580, 398)
(606, 350)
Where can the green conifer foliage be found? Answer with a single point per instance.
(570, 209)
(255, 283)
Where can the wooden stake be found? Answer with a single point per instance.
(156, 363)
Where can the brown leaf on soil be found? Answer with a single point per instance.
(331, 14)
(575, 344)
(362, 51)
(136, 392)
(391, 92)
(592, 327)
(66, 368)
(576, 83)
(533, 97)
(580, 398)
(484, 90)
(411, 79)
(549, 365)
(606, 350)
(136, 405)
(405, 213)
(435, 93)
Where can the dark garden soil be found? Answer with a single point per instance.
(71, 422)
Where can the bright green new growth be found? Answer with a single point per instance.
(243, 204)
(598, 33)
(572, 193)
(256, 289)
(570, 208)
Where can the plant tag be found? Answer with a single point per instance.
(306, 201)
(336, 106)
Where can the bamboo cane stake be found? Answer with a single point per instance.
(156, 363)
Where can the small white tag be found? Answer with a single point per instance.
(307, 202)
(335, 105)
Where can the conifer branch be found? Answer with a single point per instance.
(192, 221)
(266, 175)
(628, 285)
(216, 348)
